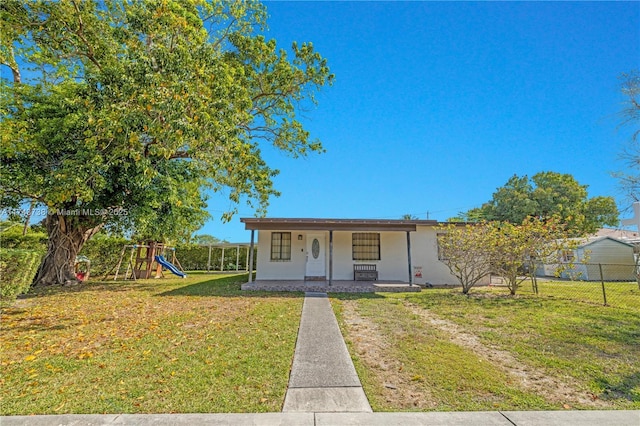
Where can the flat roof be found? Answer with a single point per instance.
(309, 224)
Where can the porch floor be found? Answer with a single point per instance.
(337, 286)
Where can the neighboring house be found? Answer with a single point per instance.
(403, 251)
(616, 258)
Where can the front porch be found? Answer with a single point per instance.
(294, 252)
(336, 286)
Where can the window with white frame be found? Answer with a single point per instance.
(280, 246)
(366, 246)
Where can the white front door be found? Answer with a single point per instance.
(315, 255)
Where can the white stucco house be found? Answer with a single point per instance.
(402, 251)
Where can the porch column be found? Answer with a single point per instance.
(250, 266)
(222, 261)
(209, 260)
(237, 258)
(330, 256)
(409, 258)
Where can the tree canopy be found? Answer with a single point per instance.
(465, 250)
(123, 114)
(206, 239)
(548, 195)
(473, 251)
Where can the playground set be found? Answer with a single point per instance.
(82, 268)
(146, 260)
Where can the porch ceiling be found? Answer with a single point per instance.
(299, 224)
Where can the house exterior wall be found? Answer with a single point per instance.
(613, 255)
(293, 269)
(424, 254)
(393, 257)
(610, 251)
(392, 266)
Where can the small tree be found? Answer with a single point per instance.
(517, 247)
(465, 251)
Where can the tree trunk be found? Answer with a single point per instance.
(67, 235)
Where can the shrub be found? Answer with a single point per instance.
(17, 270)
(193, 257)
(103, 252)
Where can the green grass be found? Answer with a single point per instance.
(597, 345)
(150, 346)
(202, 345)
(595, 348)
(618, 294)
(450, 376)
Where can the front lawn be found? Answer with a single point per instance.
(616, 294)
(150, 346)
(441, 350)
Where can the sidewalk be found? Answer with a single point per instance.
(457, 418)
(324, 390)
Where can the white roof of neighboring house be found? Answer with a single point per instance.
(618, 234)
(594, 239)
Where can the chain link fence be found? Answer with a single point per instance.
(603, 284)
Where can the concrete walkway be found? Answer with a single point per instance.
(322, 378)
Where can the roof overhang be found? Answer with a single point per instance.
(299, 224)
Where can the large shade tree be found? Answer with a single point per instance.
(118, 113)
(548, 195)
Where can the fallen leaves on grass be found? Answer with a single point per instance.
(137, 347)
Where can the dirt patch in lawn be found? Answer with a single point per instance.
(397, 388)
(529, 378)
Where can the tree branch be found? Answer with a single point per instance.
(180, 154)
(80, 33)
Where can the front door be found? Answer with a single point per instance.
(315, 256)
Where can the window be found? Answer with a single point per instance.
(281, 246)
(568, 256)
(366, 246)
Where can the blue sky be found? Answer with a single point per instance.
(437, 104)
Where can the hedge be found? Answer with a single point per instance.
(12, 238)
(104, 253)
(17, 270)
(195, 258)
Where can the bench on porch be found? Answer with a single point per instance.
(364, 272)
